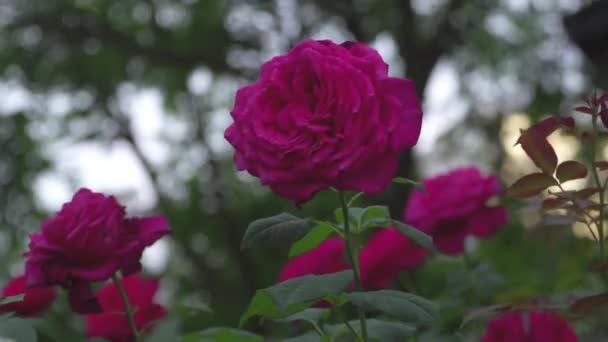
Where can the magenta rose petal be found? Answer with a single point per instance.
(486, 221)
(152, 228)
(323, 115)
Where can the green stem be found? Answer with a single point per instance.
(600, 224)
(128, 310)
(353, 258)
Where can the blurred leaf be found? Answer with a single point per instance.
(557, 220)
(308, 288)
(586, 304)
(263, 305)
(485, 312)
(11, 299)
(362, 219)
(377, 330)
(222, 335)
(19, 330)
(415, 235)
(281, 229)
(404, 306)
(406, 181)
(165, 331)
(530, 185)
(310, 315)
(539, 150)
(311, 240)
(554, 203)
(570, 170)
(601, 165)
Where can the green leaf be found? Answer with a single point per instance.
(570, 170)
(406, 181)
(361, 219)
(309, 288)
(19, 330)
(311, 240)
(263, 305)
(530, 185)
(404, 306)
(165, 331)
(415, 235)
(310, 315)
(377, 330)
(11, 299)
(281, 229)
(220, 334)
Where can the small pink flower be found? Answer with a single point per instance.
(536, 326)
(454, 206)
(386, 254)
(324, 115)
(112, 323)
(34, 301)
(89, 240)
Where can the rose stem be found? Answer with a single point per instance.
(353, 257)
(128, 310)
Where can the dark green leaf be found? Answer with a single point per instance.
(415, 235)
(263, 305)
(377, 330)
(404, 306)
(222, 335)
(310, 315)
(165, 331)
(361, 219)
(308, 288)
(311, 240)
(281, 229)
(18, 330)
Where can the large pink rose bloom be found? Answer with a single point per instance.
(88, 240)
(112, 323)
(386, 254)
(539, 327)
(34, 301)
(454, 206)
(324, 115)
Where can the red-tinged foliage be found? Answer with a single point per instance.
(530, 185)
(587, 137)
(586, 304)
(555, 203)
(583, 109)
(570, 170)
(601, 165)
(557, 220)
(600, 267)
(539, 150)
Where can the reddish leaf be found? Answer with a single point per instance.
(554, 203)
(549, 125)
(586, 193)
(570, 170)
(587, 137)
(586, 304)
(600, 267)
(539, 150)
(604, 113)
(601, 165)
(583, 109)
(530, 185)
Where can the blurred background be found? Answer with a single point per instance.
(132, 98)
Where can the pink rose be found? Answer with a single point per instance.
(112, 323)
(324, 115)
(386, 254)
(88, 240)
(34, 301)
(454, 206)
(538, 327)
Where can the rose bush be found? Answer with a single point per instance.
(453, 206)
(324, 115)
(35, 300)
(386, 254)
(88, 240)
(112, 323)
